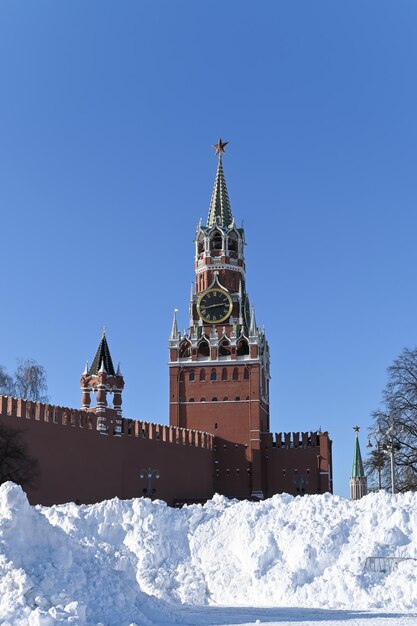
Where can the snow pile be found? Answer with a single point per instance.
(125, 562)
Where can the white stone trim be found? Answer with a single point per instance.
(220, 266)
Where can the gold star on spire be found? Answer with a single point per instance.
(220, 146)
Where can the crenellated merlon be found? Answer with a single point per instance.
(88, 420)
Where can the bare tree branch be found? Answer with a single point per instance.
(15, 462)
(400, 411)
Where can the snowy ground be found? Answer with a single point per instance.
(221, 616)
(283, 561)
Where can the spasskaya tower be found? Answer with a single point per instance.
(219, 368)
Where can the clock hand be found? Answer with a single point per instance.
(211, 306)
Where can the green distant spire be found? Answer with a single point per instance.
(357, 467)
(220, 212)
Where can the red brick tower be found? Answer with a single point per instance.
(101, 378)
(219, 368)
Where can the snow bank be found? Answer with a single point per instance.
(123, 562)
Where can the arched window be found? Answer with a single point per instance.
(246, 374)
(233, 243)
(224, 373)
(242, 347)
(200, 245)
(202, 399)
(185, 349)
(237, 398)
(203, 348)
(191, 400)
(225, 399)
(214, 399)
(224, 347)
(216, 242)
(191, 376)
(235, 373)
(213, 374)
(203, 374)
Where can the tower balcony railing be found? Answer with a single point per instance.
(232, 255)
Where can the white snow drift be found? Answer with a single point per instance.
(131, 562)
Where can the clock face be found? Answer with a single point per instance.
(214, 306)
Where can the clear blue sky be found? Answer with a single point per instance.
(107, 115)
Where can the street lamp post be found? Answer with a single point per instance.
(149, 474)
(385, 444)
(377, 437)
(390, 447)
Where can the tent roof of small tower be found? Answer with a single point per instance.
(102, 356)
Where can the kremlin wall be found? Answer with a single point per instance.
(79, 463)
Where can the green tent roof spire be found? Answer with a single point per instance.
(220, 211)
(357, 467)
(102, 358)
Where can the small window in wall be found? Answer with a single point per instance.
(202, 400)
(217, 473)
(216, 426)
(192, 376)
(235, 373)
(307, 472)
(203, 374)
(246, 374)
(225, 399)
(238, 472)
(247, 397)
(213, 374)
(283, 472)
(296, 471)
(227, 472)
(191, 400)
(224, 373)
(237, 398)
(214, 399)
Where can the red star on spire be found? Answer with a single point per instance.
(220, 146)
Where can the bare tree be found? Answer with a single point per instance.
(30, 381)
(15, 462)
(398, 417)
(6, 383)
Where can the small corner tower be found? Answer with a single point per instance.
(219, 367)
(101, 378)
(358, 482)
